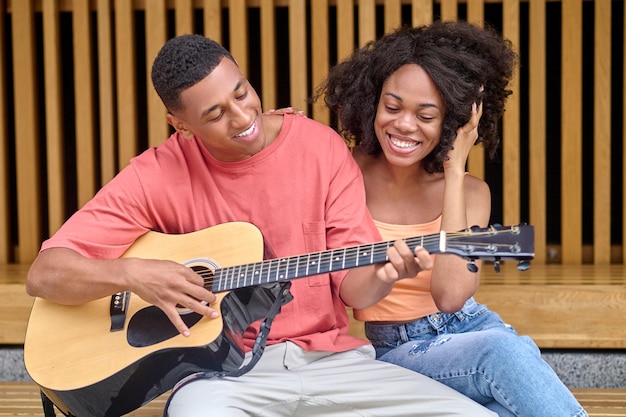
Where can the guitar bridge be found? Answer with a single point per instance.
(119, 305)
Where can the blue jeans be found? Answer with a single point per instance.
(474, 352)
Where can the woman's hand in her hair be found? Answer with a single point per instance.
(466, 137)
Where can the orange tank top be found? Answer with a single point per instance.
(410, 299)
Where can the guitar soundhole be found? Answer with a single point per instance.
(207, 274)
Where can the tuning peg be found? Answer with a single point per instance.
(496, 266)
(471, 266)
(523, 265)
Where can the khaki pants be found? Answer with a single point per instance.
(289, 381)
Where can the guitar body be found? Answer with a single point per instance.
(88, 370)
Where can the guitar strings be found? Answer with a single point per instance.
(350, 254)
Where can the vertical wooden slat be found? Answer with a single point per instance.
(84, 99)
(126, 82)
(212, 15)
(476, 12)
(624, 152)
(571, 128)
(393, 15)
(183, 17)
(476, 159)
(54, 115)
(537, 126)
(26, 133)
(297, 53)
(5, 198)
(449, 9)
(106, 91)
(268, 53)
(367, 21)
(422, 12)
(156, 36)
(511, 124)
(320, 55)
(602, 134)
(345, 29)
(238, 21)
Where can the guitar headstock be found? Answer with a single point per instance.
(494, 243)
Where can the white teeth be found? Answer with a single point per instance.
(405, 144)
(246, 132)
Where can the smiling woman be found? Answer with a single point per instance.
(415, 102)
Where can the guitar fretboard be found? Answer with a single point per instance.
(493, 243)
(285, 269)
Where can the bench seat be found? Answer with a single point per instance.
(22, 399)
(16, 304)
(559, 306)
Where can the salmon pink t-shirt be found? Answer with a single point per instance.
(304, 192)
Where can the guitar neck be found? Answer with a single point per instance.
(301, 266)
(493, 243)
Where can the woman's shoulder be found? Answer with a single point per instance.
(475, 185)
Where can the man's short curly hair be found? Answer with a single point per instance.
(467, 63)
(183, 62)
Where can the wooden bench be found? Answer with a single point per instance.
(23, 399)
(16, 304)
(559, 306)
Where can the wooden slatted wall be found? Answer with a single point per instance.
(116, 114)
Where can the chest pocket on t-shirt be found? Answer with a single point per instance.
(314, 241)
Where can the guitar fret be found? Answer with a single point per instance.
(319, 263)
(329, 262)
(268, 273)
(308, 263)
(226, 278)
(243, 276)
(297, 267)
(325, 261)
(287, 269)
(240, 275)
(259, 272)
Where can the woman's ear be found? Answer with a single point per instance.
(179, 125)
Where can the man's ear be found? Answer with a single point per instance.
(179, 125)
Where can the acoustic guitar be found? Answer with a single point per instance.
(110, 356)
